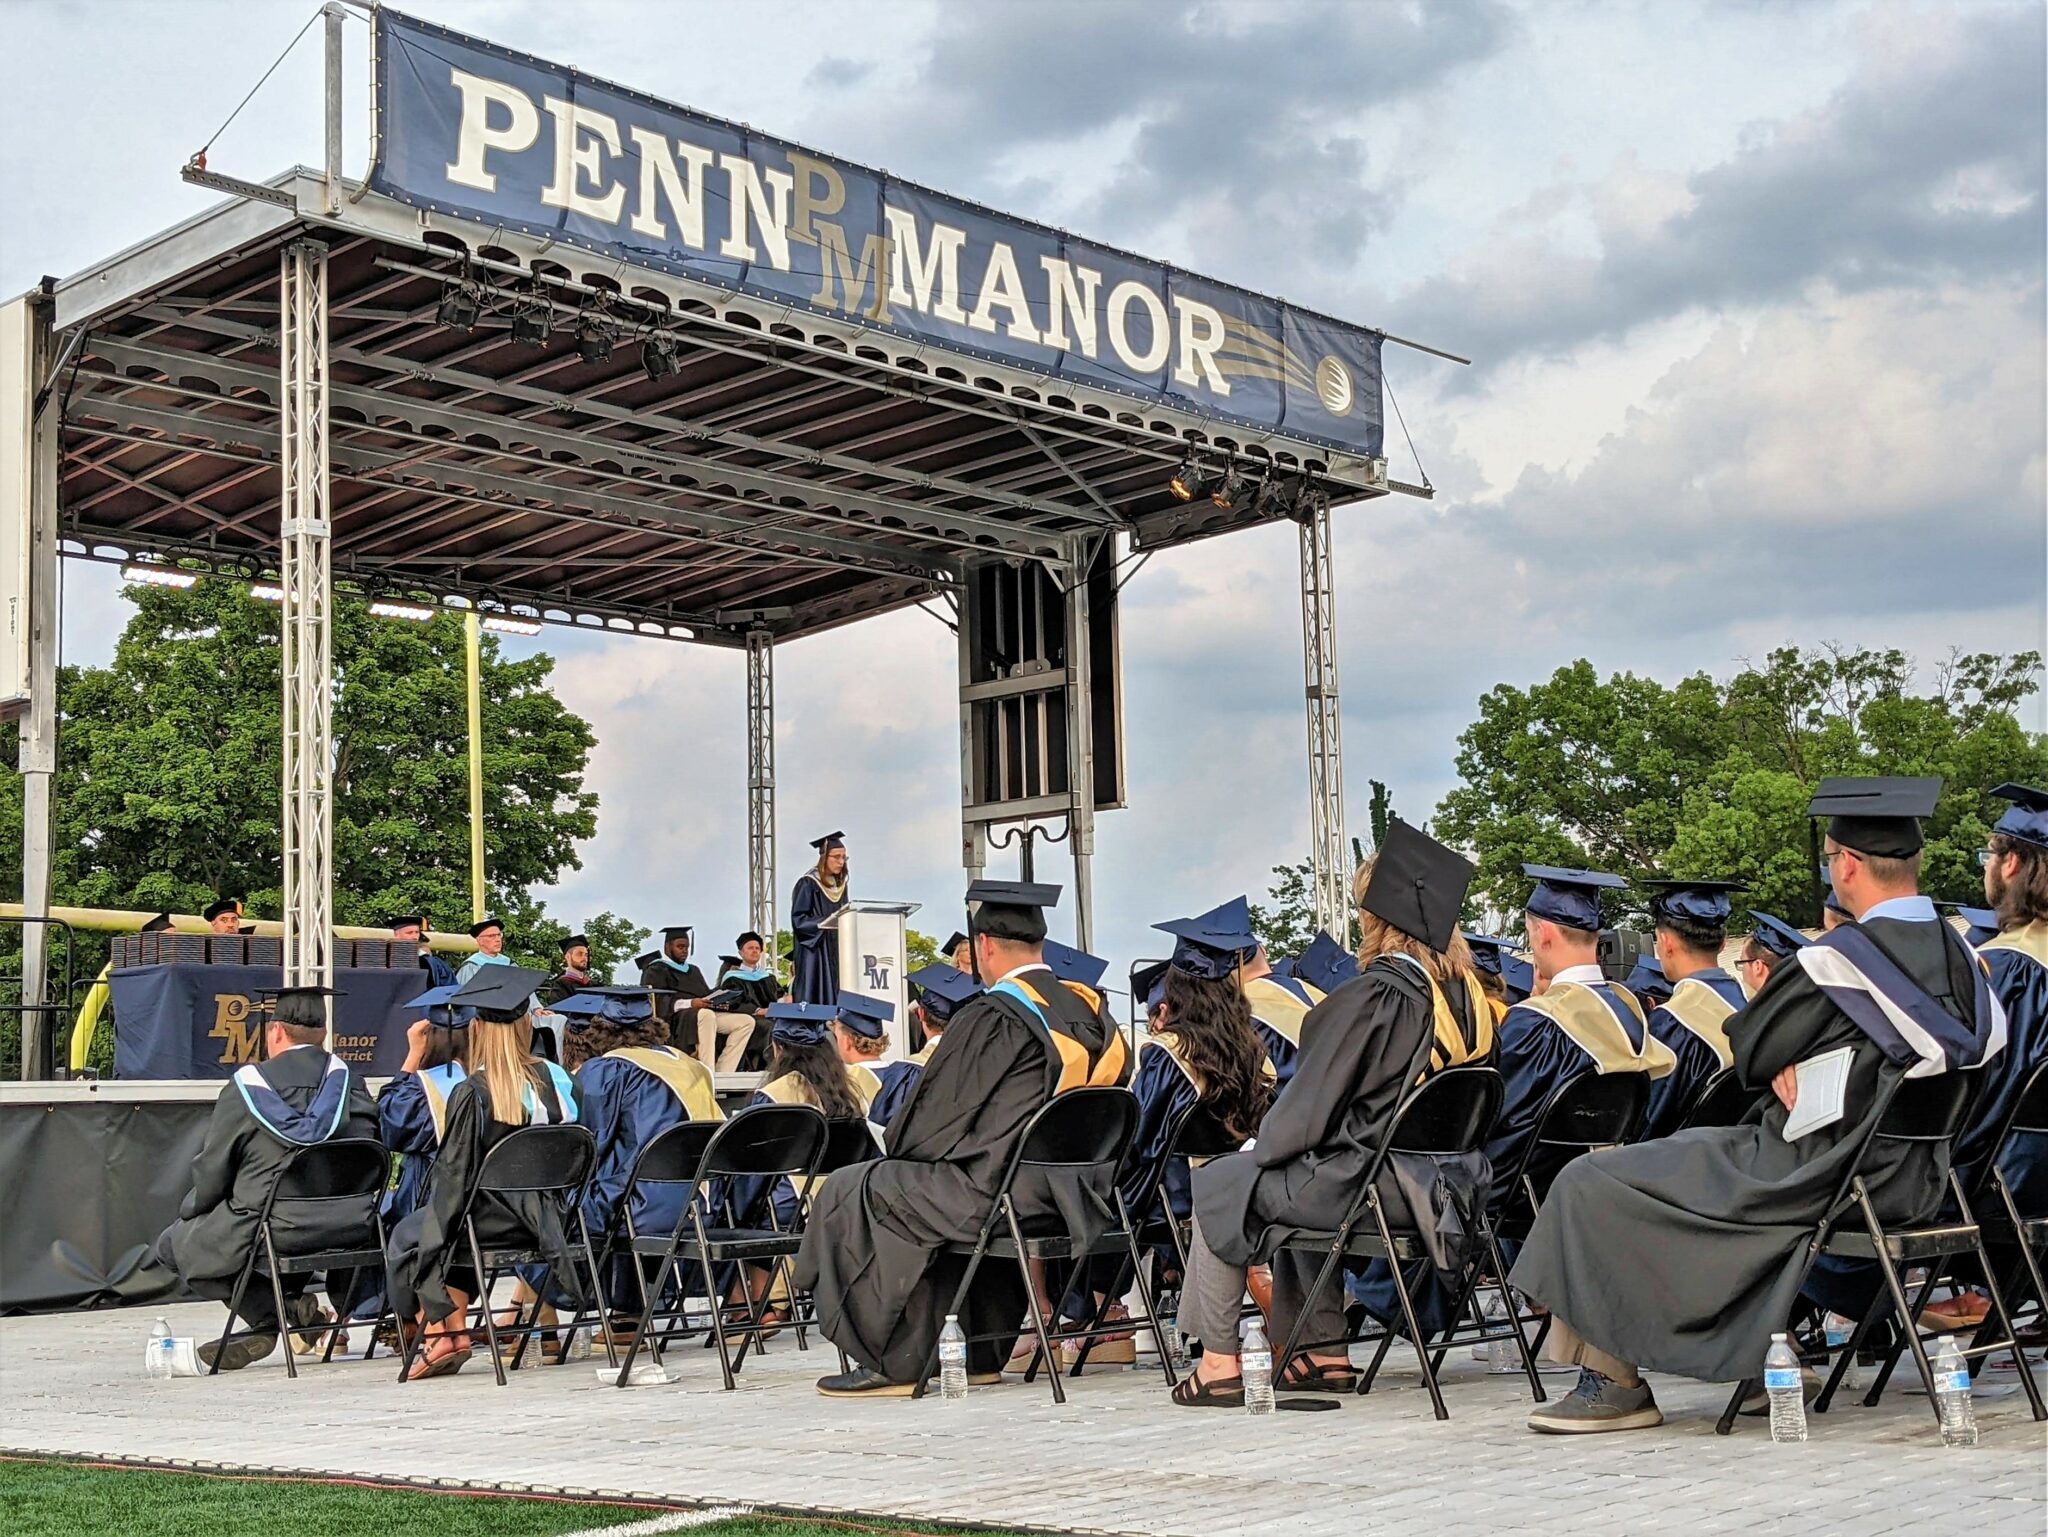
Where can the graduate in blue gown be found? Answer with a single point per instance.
(2016, 885)
(413, 1107)
(820, 894)
(1691, 919)
(1581, 1022)
(937, 990)
(1647, 981)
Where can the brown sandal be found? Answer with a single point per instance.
(435, 1362)
(1304, 1375)
(1191, 1392)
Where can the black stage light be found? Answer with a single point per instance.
(531, 323)
(461, 305)
(596, 333)
(1189, 481)
(1232, 491)
(658, 354)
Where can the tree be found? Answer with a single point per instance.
(1712, 780)
(1289, 923)
(1381, 811)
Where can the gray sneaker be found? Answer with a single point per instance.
(1598, 1404)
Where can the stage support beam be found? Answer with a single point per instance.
(1080, 741)
(1329, 857)
(973, 834)
(761, 787)
(305, 575)
(39, 721)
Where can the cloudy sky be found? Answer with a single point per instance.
(1755, 294)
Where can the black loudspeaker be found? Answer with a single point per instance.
(1620, 949)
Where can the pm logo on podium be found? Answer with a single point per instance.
(877, 969)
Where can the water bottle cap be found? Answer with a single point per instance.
(1776, 1337)
(952, 1318)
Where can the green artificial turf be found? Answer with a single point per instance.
(60, 1499)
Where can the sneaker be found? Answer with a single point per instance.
(1596, 1405)
(245, 1351)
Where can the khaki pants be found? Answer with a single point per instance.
(1567, 1347)
(722, 1038)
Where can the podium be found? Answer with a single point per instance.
(871, 960)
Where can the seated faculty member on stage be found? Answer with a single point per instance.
(411, 929)
(1414, 1007)
(1683, 1255)
(1691, 919)
(1580, 1022)
(820, 894)
(432, 1282)
(938, 991)
(572, 979)
(871, 1251)
(298, 1095)
(489, 934)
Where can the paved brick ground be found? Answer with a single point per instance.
(1117, 1458)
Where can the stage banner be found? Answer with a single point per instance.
(467, 128)
(197, 1021)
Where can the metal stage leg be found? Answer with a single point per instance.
(305, 576)
(39, 722)
(973, 835)
(1080, 744)
(761, 786)
(1327, 852)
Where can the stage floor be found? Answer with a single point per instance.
(1117, 1458)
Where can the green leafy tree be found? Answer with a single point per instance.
(1381, 811)
(1287, 921)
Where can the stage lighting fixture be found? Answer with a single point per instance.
(461, 305)
(1190, 480)
(158, 576)
(417, 613)
(531, 322)
(505, 625)
(658, 354)
(1232, 491)
(596, 333)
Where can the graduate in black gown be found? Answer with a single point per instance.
(1683, 1255)
(1691, 919)
(298, 1095)
(820, 894)
(1416, 1005)
(871, 1251)
(508, 1087)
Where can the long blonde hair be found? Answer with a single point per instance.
(1377, 937)
(502, 1056)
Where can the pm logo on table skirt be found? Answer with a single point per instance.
(876, 969)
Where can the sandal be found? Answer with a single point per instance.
(1304, 1375)
(1191, 1392)
(434, 1361)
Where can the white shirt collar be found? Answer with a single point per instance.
(1586, 976)
(1018, 971)
(1913, 909)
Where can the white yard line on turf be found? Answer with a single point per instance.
(674, 1521)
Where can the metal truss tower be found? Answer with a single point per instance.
(1328, 855)
(761, 785)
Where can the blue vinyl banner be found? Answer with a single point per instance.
(202, 1021)
(474, 130)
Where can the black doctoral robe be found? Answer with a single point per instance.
(871, 1251)
(427, 1247)
(1683, 1255)
(1361, 1049)
(238, 1166)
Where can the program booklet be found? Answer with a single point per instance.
(1823, 1089)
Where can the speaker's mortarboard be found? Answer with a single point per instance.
(1878, 816)
(2028, 818)
(1418, 885)
(829, 842)
(1697, 901)
(1569, 897)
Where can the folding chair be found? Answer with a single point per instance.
(1722, 1101)
(1927, 1111)
(1587, 1111)
(552, 1164)
(1084, 1134)
(763, 1142)
(1448, 1114)
(2008, 1225)
(671, 1157)
(315, 1189)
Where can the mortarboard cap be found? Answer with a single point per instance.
(2028, 819)
(1518, 977)
(1487, 952)
(1775, 934)
(477, 928)
(572, 941)
(800, 1024)
(1071, 965)
(157, 924)
(1569, 897)
(1325, 965)
(829, 842)
(407, 921)
(1012, 910)
(728, 960)
(1982, 922)
(1417, 885)
(1213, 944)
(749, 938)
(942, 988)
(953, 942)
(677, 931)
(644, 961)
(499, 994)
(620, 1005)
(863, 1015)
(1695, 901)
(433, 997)
(1148, 981)
(221, 907)
(1876, 815)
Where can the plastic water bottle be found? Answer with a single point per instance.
(1952, 1394)
(1256, 1362)
(156, 1361)
(952, 1359)
(1781, 1382)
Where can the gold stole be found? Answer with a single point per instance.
(2030, 940)
(1705, 1013)
(1579, 1013)
(685, 1077)
(1075, 1072)
(790, 1089)
(1274, 1006)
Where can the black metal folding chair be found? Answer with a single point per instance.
(1082, 1134)
(765, 1143)
(552, 1164)
(317, 1189)
(1928, 1112)
(1448, 1114)
(671, 1157)
(2008, 1225)
(1723, 1100)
